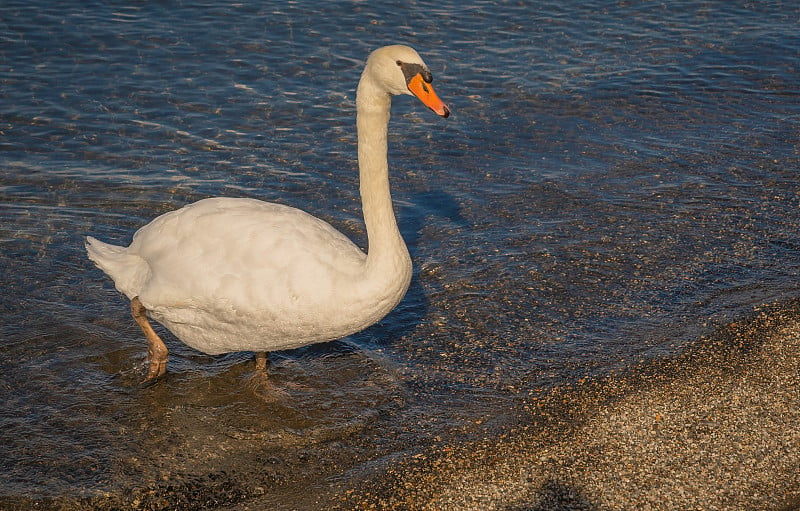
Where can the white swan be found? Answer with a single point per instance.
(228, 274)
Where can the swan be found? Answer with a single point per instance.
(239, 274)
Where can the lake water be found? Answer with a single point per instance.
(617, 180)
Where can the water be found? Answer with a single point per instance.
(616, 181)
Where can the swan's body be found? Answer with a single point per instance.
(227, 274)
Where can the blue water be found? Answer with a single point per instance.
(617, 180)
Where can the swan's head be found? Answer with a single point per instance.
(400, 70)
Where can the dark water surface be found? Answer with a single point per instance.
(617, 180)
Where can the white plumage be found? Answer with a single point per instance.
(233, 274)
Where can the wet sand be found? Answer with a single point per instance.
(716, 428)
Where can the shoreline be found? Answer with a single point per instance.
(716, 427)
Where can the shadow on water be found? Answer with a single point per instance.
(412, 310)
(437, 203)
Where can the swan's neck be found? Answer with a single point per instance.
(387, 254)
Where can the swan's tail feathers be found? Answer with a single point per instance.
(128, 271)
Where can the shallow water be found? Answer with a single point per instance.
(616, 181)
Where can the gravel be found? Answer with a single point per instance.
(715, 428)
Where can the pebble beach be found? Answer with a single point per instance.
(715, 428)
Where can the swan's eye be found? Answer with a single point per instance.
(412, 70)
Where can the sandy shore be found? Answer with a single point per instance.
(717, 428)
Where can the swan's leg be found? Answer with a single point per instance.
(261, 361)
(261, 385)
(156, 349)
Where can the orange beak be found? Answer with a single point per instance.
(424, 91)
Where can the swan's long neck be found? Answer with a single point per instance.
(387, 253)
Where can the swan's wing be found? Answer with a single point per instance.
(243, 255)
